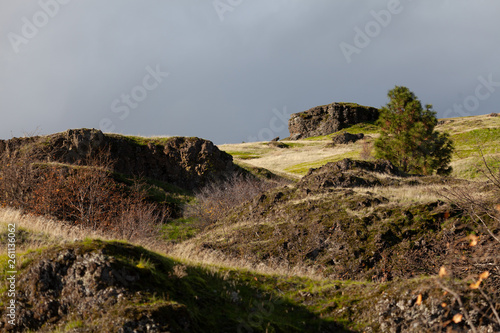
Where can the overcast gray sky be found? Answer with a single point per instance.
(228, 70)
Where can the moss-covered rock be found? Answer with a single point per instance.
(116, 287)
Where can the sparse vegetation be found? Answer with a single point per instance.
(216, 200)
(303, 168)
(366, 150)
(465, 159)
(483, 279)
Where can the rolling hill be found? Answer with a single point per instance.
(326, 241)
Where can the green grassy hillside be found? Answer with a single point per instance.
(470, 134)
(473, 136)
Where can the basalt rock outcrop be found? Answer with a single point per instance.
(89, 281)
(352, 173)
(185, 162)
(327, 119)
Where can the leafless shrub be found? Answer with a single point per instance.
(83, 194)
(18, 176)
(481, 208)
(474, 303)
(478, 254)
(215, 200)
(139, 221)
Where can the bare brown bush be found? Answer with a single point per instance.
(139, 219)
(18, 176)
(481, 208)
(214, 201)
(84, 194)
(477, 257)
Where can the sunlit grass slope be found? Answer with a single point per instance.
(473, 136)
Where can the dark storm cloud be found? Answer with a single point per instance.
(234, 64)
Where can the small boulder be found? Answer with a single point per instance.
(277, 144)
(346, 138)
(445, 121)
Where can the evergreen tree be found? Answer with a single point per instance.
(408, 138)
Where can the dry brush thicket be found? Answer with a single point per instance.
(215, 200)
(481, 287)
(83, 194)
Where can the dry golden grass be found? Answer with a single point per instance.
(48, 232)
(259, 154)
(469, 167)
(465, 124)
(293, 162)
(190, 253)
(45, 232)
(405, 194)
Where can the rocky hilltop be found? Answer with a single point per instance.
(185, 162)
(327, 119)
